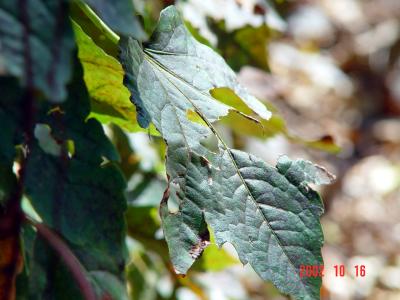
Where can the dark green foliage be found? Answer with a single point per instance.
(73, 187)
(37, 44)
(11, 116)
(11, 126)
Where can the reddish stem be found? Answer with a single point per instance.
(68, 257)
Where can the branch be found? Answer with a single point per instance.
(69, 259)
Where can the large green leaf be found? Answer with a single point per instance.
(36, 44)
(73, 184)
(270, 215)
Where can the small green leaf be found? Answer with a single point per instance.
(103, 76)
(243, 46)
(228, 97)
(262, 128)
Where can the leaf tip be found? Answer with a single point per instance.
(304, 171)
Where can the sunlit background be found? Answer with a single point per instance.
(331, 68)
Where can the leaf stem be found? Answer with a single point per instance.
(69, 259)
(111, 35)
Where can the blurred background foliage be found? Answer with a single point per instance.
(331, 69)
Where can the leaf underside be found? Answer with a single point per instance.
(269, 214)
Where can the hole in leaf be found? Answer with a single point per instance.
(46, 141)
